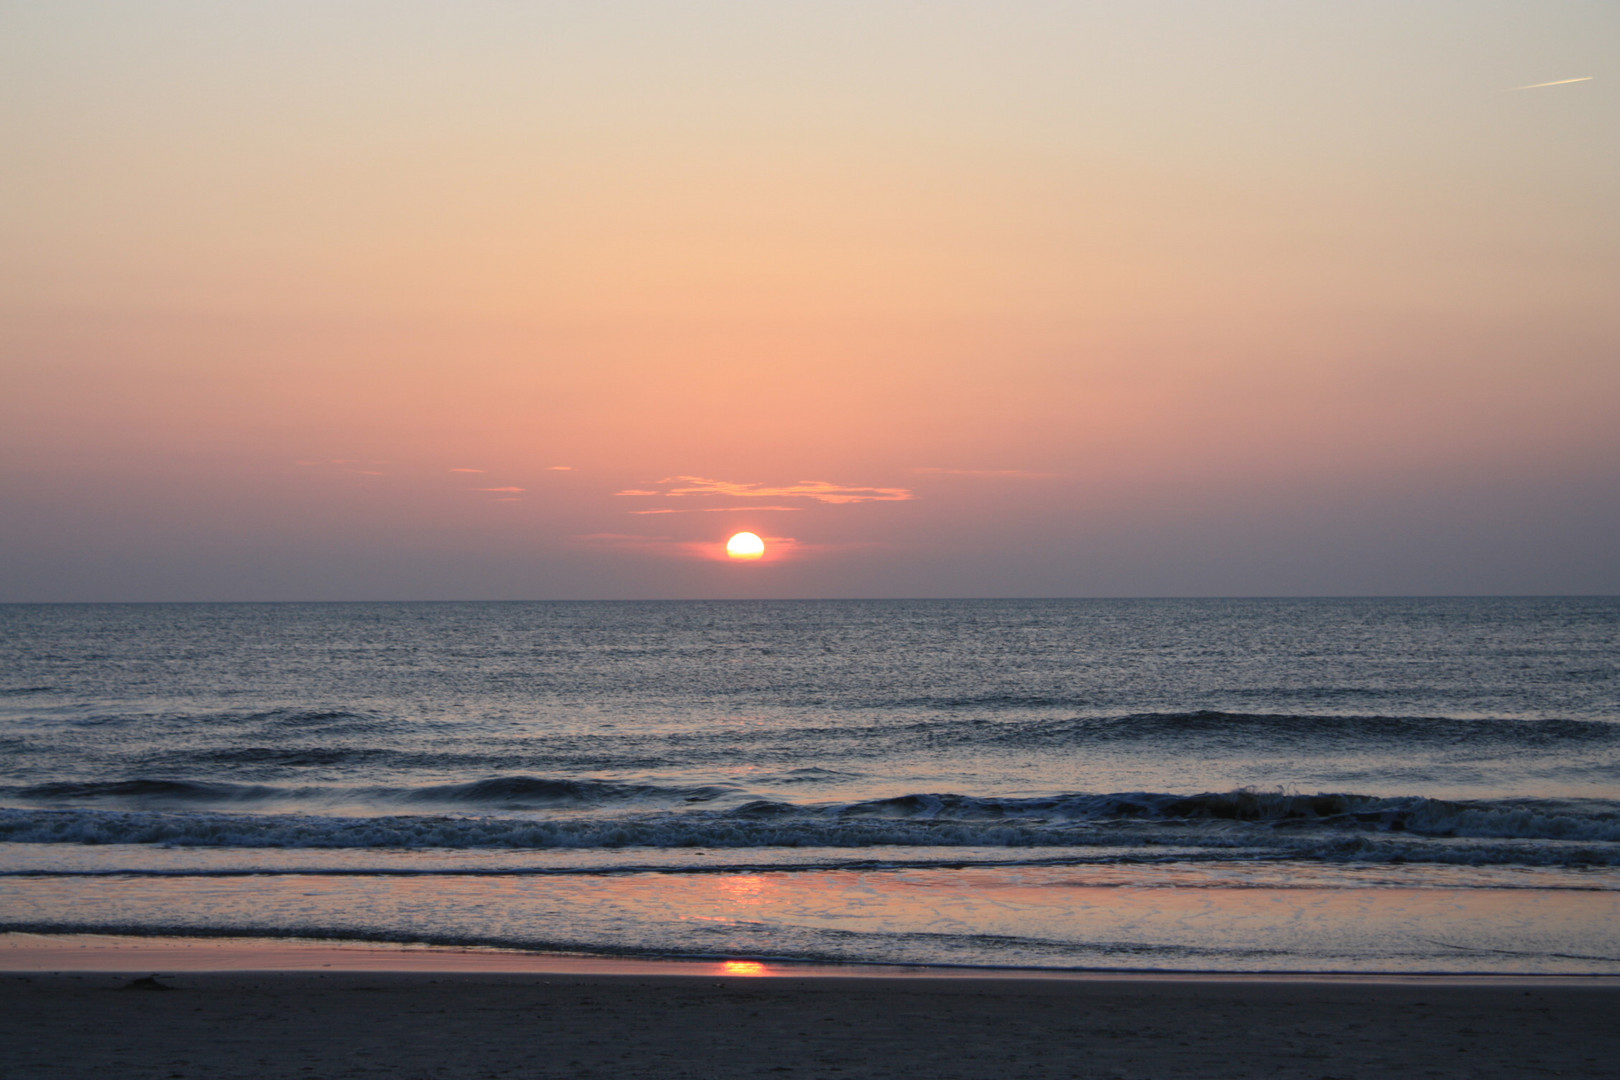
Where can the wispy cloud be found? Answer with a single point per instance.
(1011, 473)
(559, 468)
(467, 470)
(1555, 82)
(712, 509)
(501, 489)
(819, 490)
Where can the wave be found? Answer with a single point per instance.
(1327, 826)
(1217, 725)
(1521, 818)
(1541, 819)
(281, 722)
(957, 726)
(985, 701)
(781, 952)
(295, 756)
(810, 774)
(835, 947)
(143, 790)
(280, 760)
(494, 793)
(530, 792)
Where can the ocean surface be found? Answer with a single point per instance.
(1215, 785)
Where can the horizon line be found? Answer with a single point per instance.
(843, 599)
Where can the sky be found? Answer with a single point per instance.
(348, 300)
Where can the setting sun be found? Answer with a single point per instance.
(745, 545)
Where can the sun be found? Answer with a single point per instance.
(745, 546)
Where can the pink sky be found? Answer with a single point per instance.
(314, 301)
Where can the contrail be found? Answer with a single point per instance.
(1555, 82)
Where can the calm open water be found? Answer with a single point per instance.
(1373, 785)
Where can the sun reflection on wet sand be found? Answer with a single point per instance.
(1229, 917)
(745, 889)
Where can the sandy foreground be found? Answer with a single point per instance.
(421, 1024)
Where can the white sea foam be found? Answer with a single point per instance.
(1332, 827)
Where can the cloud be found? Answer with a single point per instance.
(1012, 473)
(711, 509)
(1555, 82)
(819, 490)
(467, 470)
(502, 489)
(559, 468)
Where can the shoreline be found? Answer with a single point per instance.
(26, 953)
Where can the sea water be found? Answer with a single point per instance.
(1220, 785)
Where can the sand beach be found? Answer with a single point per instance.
(449, 1014)
(447, 1025)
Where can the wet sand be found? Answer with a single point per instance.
(311, 1024)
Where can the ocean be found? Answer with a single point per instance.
(1314, 785)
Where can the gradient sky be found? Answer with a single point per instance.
(527, 300)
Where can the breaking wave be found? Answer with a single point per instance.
(1327, 826)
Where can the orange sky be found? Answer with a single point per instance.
(941, 300)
